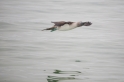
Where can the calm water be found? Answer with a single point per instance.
(86, 54)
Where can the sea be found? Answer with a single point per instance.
(86, 54)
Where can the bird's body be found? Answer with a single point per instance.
(64, 26)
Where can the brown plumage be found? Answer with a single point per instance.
(61, 23)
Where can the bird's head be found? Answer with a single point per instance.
(84, 24)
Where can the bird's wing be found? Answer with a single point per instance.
(61, 23)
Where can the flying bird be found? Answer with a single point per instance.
(64, 26)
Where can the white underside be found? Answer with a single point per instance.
(67, 27)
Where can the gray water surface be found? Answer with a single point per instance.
(85, 54)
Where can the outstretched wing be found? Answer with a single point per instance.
(61, 23)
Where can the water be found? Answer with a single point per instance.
(85, 54)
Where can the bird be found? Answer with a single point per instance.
(64, 26)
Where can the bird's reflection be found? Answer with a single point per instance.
(58, 78)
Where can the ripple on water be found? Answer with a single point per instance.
(71, 76)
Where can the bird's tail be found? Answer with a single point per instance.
(48, 29)
(52, 29)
